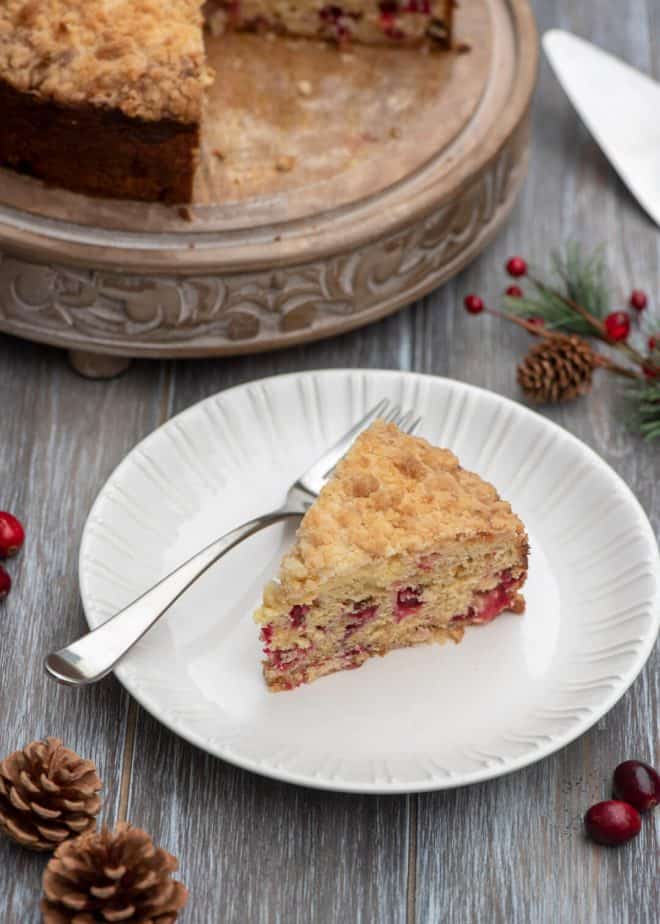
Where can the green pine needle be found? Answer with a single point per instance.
(580, 278)
(645, 410)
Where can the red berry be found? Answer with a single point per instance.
(612, 823)
(536, 321)
(12, 534)
(653, 342)
(638, 784)
(473, 304)
(514, 292)
(617, 326)
(5, 583)
(297, 615)
(516, 266)
(638, 299)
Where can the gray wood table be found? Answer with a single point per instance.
(252, 850)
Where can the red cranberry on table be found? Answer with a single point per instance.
(617, 326)
(473, 304)
(637, 783)
(12, 534)
(638, 299)
(612, 823)
(514, 292)
(653, 342)
(5, 583)
(516, 266)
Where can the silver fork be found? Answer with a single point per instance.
(95, 654)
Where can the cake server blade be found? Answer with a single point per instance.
(620, 107)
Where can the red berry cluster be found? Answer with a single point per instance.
(12, 536)
(617, 324)
(636, 789)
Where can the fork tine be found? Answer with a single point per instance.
(392, 415)
(314, 478)
(404, 420)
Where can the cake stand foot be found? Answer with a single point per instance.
(98, 366)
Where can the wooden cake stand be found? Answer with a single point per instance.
(334, 187)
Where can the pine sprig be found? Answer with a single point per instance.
(644, 410)
(584, 276)
(577, 278)
(570, 303)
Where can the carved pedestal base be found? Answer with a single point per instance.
(96, 365)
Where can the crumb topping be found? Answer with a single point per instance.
(144, 58)
(392, 494)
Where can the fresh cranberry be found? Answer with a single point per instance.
(408, 599)
(409, 596)
(267, 634)
(297, 615)
(516, 266)
(473, 304)
(617, 326)
(12, 534)
(490, 603)
(652, 344)
(612, 823)
(637, 783)
(638, 299)
(651, 372)
(514, 292)
(5, 583)
(536, 321)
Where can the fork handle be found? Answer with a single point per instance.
(94, 655)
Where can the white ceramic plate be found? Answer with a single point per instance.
(419, 719)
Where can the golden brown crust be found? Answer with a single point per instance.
(144, 59)
(393, 494)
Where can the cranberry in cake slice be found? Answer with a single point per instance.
(370, 22)
(402, 547)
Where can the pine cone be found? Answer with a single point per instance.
(559, 368)
(48, 794)
(106, 876)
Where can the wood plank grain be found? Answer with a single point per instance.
(257, 851)
(60, 438)
(512, 850)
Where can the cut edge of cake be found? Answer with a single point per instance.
(402, 547)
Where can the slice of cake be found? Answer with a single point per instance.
(402, 547)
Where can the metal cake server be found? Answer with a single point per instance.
(619, 105)
(95, 654)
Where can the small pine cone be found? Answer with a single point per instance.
(559, 368)
(106, 876)
(48, 794)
